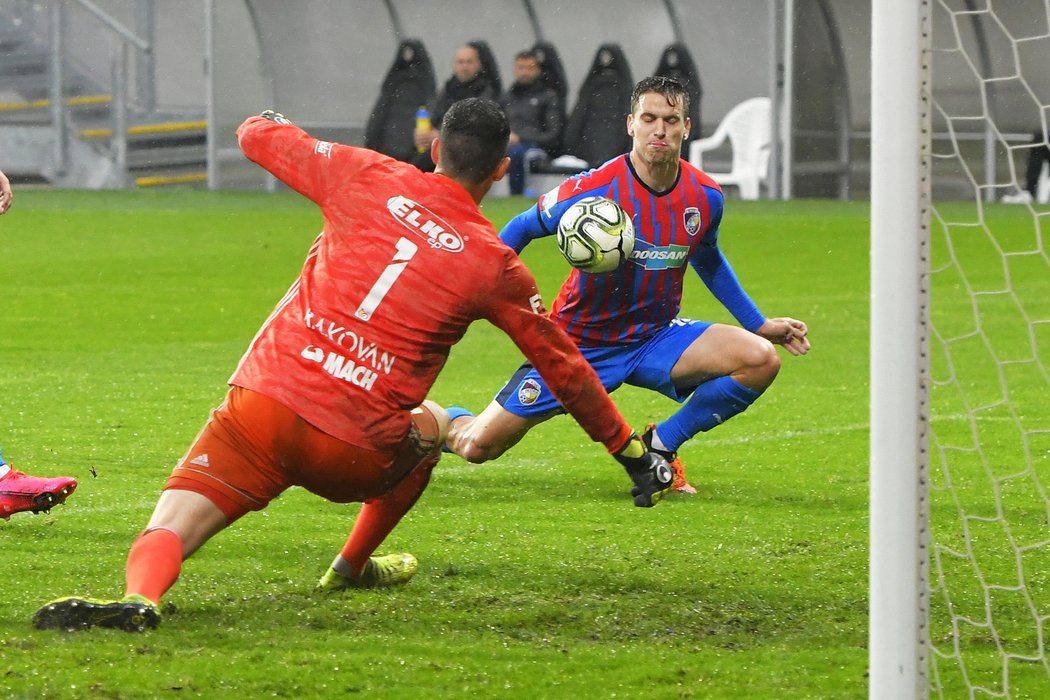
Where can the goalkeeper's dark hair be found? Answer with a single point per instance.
(474, 135)
(670, 88)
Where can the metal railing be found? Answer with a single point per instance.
(119, 76)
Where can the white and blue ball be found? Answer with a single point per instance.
(595, 235)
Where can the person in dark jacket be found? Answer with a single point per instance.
(534, 115)
(468, 80)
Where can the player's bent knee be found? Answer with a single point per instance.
(770, 362)
(760, 364)
(770, 359)
(462, 440)
(475, 452)
(476, 445)
(488, 435)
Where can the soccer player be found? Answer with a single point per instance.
(325, 395)
(20, 492)
(626, 321)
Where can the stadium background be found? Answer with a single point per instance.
(210, 63)
(111, 355)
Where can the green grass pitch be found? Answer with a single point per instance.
(124, 313)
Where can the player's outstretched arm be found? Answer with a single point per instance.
(312, 168)
(788, 332)
(522, 229)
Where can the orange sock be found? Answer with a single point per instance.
(379, 516)
(154, 563)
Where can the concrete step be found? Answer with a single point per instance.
(157, 131)
(44, 104)
(198, 177)
(38, 111)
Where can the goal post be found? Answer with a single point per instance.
(899, 264)
(960, 351)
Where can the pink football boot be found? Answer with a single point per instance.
(21, 492)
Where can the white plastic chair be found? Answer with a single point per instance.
(747, 126)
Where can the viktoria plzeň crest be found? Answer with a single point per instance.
(692, 220)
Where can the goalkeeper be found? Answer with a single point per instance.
(626, 321)
(330, 394)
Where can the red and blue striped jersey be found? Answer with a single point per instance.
(643, 296)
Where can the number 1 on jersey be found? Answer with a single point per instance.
(405, 250)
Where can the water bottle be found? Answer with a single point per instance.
(422, 124)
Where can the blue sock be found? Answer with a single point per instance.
(712, 403)
(454, 412)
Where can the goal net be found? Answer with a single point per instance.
(976, 504)
(989, 386)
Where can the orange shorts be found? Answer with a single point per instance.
(253, 448)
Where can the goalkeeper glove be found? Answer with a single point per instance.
(651, 474)
(275, 117)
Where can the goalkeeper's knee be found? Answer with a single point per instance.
(431, 422)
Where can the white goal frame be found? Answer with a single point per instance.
(900, 218)
(959, 353)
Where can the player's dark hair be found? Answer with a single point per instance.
(474, 135)
(670, 88)
(526, 54)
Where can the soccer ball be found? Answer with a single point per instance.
(595, 235)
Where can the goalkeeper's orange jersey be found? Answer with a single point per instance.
(404, 263)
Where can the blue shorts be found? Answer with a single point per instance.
(646, 364)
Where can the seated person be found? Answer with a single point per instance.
(467, 80)
(534, 114)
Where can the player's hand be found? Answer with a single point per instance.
(651, 474)
(275, 117)
(788, 332)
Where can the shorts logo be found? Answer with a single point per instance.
(692, 220)
(201, 460)
(528, 392)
